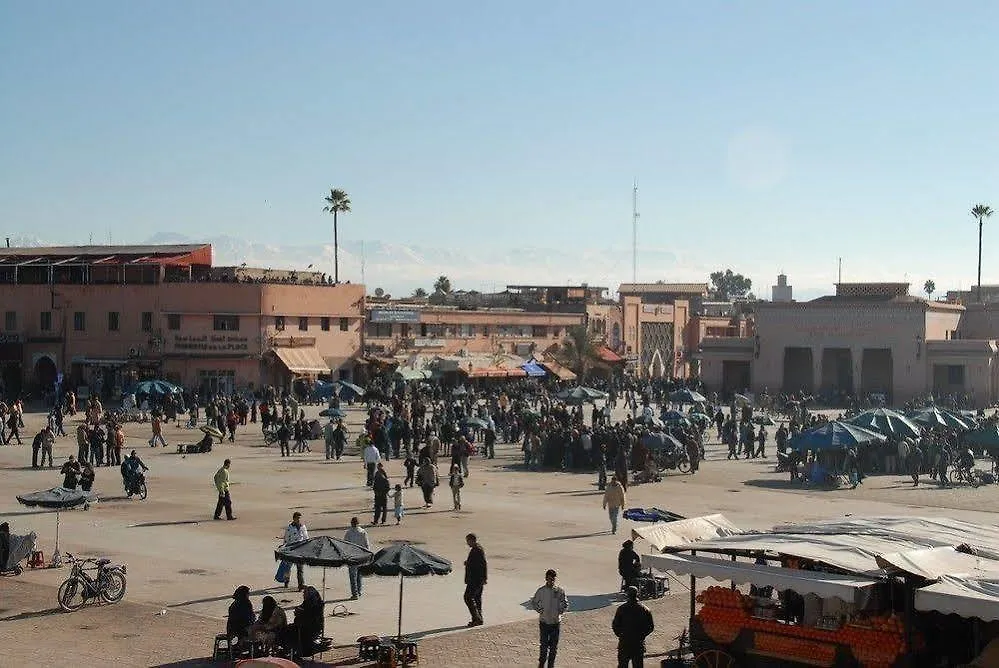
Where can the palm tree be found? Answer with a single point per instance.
(980, 212)
(442, 285)
(579, 350)
(336, 202)
(929, 287)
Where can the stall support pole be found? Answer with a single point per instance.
(733, 583)
(693, 588)
(910, 596)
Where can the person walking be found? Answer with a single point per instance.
(283, 434)
(381, 487)
(456, 482)
(358, 536)
(157, 427)
(614, 501)
(398, 506)
(329, 436)
(339, 439)
(551, 603)
(296, 532)
(48, 439)
(426, 478)
(632, 625)
(222, 485)
(82, 444)
(119, 442)
(371, 458)
(476, 576)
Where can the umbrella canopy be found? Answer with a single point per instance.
(581, 395)
(212, 431)
(764, 420)
(686, 396)
(931, 416)
(475, 423)
(986, 436)
(157, 388)
(886, 421)
(674, 416)
(648, 421)
(356, 389)
(533, 369)
(834, 436)
(332, 413)
(404, 560)
(323, 551)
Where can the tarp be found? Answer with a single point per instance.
(59, 498)
(685, 532)
(559, 371)
(609, 356)
(302, 361)
(848, 588)
(935, 562)
(495, 372)
(961, 596)
(533, 369)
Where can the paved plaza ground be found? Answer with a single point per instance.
(183, 566)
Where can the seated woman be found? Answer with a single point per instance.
(240, 615)
(304, 634)
(271, 623)
(87, 477)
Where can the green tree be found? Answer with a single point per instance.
(929, 287)
(379, 292)
(419, 293)
(442, 285)
(337, 202)
(579, 350)
(726, 285)
(980, 212)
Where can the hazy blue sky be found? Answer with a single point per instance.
(764, 135)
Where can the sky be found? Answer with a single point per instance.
(764, 136)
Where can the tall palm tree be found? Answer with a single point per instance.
(980, 212)
(579, 350)
(336, 202)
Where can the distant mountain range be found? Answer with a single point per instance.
(400, 268)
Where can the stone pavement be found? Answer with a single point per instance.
(180, 561)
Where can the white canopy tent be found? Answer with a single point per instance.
(966, 597)
(847, 588)
(663, 535)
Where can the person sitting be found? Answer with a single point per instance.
(270, 624)
(629, 564)
(204, 445)
(87, 476)
(70, 472)
(241, 616)
(305, 633)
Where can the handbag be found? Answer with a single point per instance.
(283, 572)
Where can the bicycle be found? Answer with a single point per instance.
(108, 583)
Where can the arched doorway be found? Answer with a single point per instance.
(45, 373)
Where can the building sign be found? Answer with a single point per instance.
(393, 315)
(428, 343)
(10, 337)
(216, 343)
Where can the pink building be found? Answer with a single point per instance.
(103, 316)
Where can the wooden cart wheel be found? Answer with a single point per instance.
(714, 658)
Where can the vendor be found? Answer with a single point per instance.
(629, 564)
(70, 472)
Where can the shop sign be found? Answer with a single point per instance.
(428, 343)
(10, 337)
(211, 344)
(395, 316)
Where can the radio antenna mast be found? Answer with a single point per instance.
(634, 232)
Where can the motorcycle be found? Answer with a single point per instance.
(136, 487)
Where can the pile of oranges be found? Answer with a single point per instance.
(723, 597)
(816, 653)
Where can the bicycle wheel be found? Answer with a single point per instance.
(143, 491)
(683, 465)
(72, 594)
(112, 586)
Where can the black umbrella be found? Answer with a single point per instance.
(404, 560)
(324, 551)
(57, 498)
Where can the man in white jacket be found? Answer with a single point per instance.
(371, 458)
(358, 536)
(296, 532)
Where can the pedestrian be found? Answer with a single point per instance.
(456, 482)
(36, 447)
(915, 463)
(117, 445)
(48, 439)
(157, 427)
(397, 504)
(381, 487)
(82, 444)
(358, 536)
(410, 465)
(614, 501)
(70, 472)
(465, 452)
(14, 426)
(222, 485)
(476, 576)
(372, 457)
(329, 439)
(761, 440)
(551, 603)
(632, 625)
(296, 532)
(339, 439)
(426, 478)
(284, 437)
(629, 564)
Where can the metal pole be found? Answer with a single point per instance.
(324, 585)
(693, 589)
(733, 581)
(399, 637)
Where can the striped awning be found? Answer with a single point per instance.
(302, 361)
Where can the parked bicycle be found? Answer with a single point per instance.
(91, 579)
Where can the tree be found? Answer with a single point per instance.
(442, 285)
(980, 212)
(337, 202)
(728, 285)
(419, 293)
(929, 287)
(579, 350)
(379, 292)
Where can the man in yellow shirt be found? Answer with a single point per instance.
(222, 485)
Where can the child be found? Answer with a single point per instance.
(397, 504)
(410, 465)
(456, 482)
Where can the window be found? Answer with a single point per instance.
(539, 331)
(466, 331)
(113, 318)
(344, 324)
(173, 321)
(380, 329)
(10, 320)
(303, 324)
(45, 322)
(324, 324)
(147, 321)
(226, 323)
(279, 323)
(80, 321)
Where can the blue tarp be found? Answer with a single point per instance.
(533, 369)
